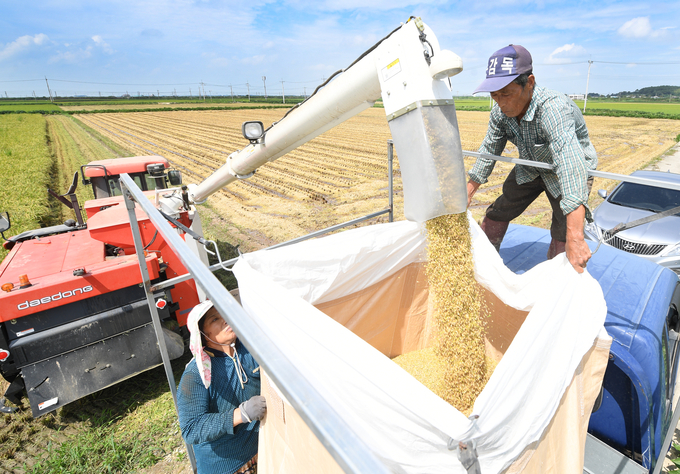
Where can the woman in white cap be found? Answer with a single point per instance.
(219, 399)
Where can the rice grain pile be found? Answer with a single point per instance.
(458, 357)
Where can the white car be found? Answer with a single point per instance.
(658, 241)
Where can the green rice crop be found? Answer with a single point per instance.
(16, 107)
(670, 108)
(27, 170)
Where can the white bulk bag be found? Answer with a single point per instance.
(404, 423)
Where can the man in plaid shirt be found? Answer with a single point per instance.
(546, 126)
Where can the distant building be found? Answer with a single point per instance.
(577, 96)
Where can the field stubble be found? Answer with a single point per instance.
(335, 177)
(341, 174)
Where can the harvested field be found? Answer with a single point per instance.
(334, 178)
(341, 174)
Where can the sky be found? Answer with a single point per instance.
(171, 46)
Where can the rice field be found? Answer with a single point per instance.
(341, 174)
(27, 106)
(26, 167)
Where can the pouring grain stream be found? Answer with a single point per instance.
(456, 368)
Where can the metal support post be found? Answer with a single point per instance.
(146, 280)
(390, 161)
(322, 418)
(585, 100)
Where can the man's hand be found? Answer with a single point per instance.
(472, 187)
(577, 250)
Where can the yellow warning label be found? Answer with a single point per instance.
(391, 70)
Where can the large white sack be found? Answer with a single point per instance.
(403, 422)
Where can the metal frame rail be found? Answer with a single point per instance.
(389, 211)
(324, 421)
(130, 195)
(595, 173)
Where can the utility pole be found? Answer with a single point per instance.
(283, 92)
(34, 96)
(248, 85)
(305, 93)
(264, 80)
(190, 96)
(100, 94)
(232, 92)
(585, 101)
(48, 89)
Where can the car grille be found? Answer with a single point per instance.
(633, 247)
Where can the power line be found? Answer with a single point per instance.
(24, 80)
(636, 62)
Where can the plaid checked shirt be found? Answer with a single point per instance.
(552, 131)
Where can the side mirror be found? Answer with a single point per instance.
(602, 193)
(175, 177)
(5, 223)
(252, 131)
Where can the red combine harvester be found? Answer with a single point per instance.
(74, 316)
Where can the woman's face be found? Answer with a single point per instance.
(216, 330)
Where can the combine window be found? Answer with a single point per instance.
(112, 187)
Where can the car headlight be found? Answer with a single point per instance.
(673, 251)
(591, 229)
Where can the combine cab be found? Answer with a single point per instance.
(148, 172)
(74, 316)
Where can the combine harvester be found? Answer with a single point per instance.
(336, 403)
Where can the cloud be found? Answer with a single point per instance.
(72, 57)
(639, 27)
(102, 44)
(563, 54)
(253, 60)
(21, 44)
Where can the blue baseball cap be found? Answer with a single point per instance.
(505, 65)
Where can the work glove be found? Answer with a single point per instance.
(253, 409)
